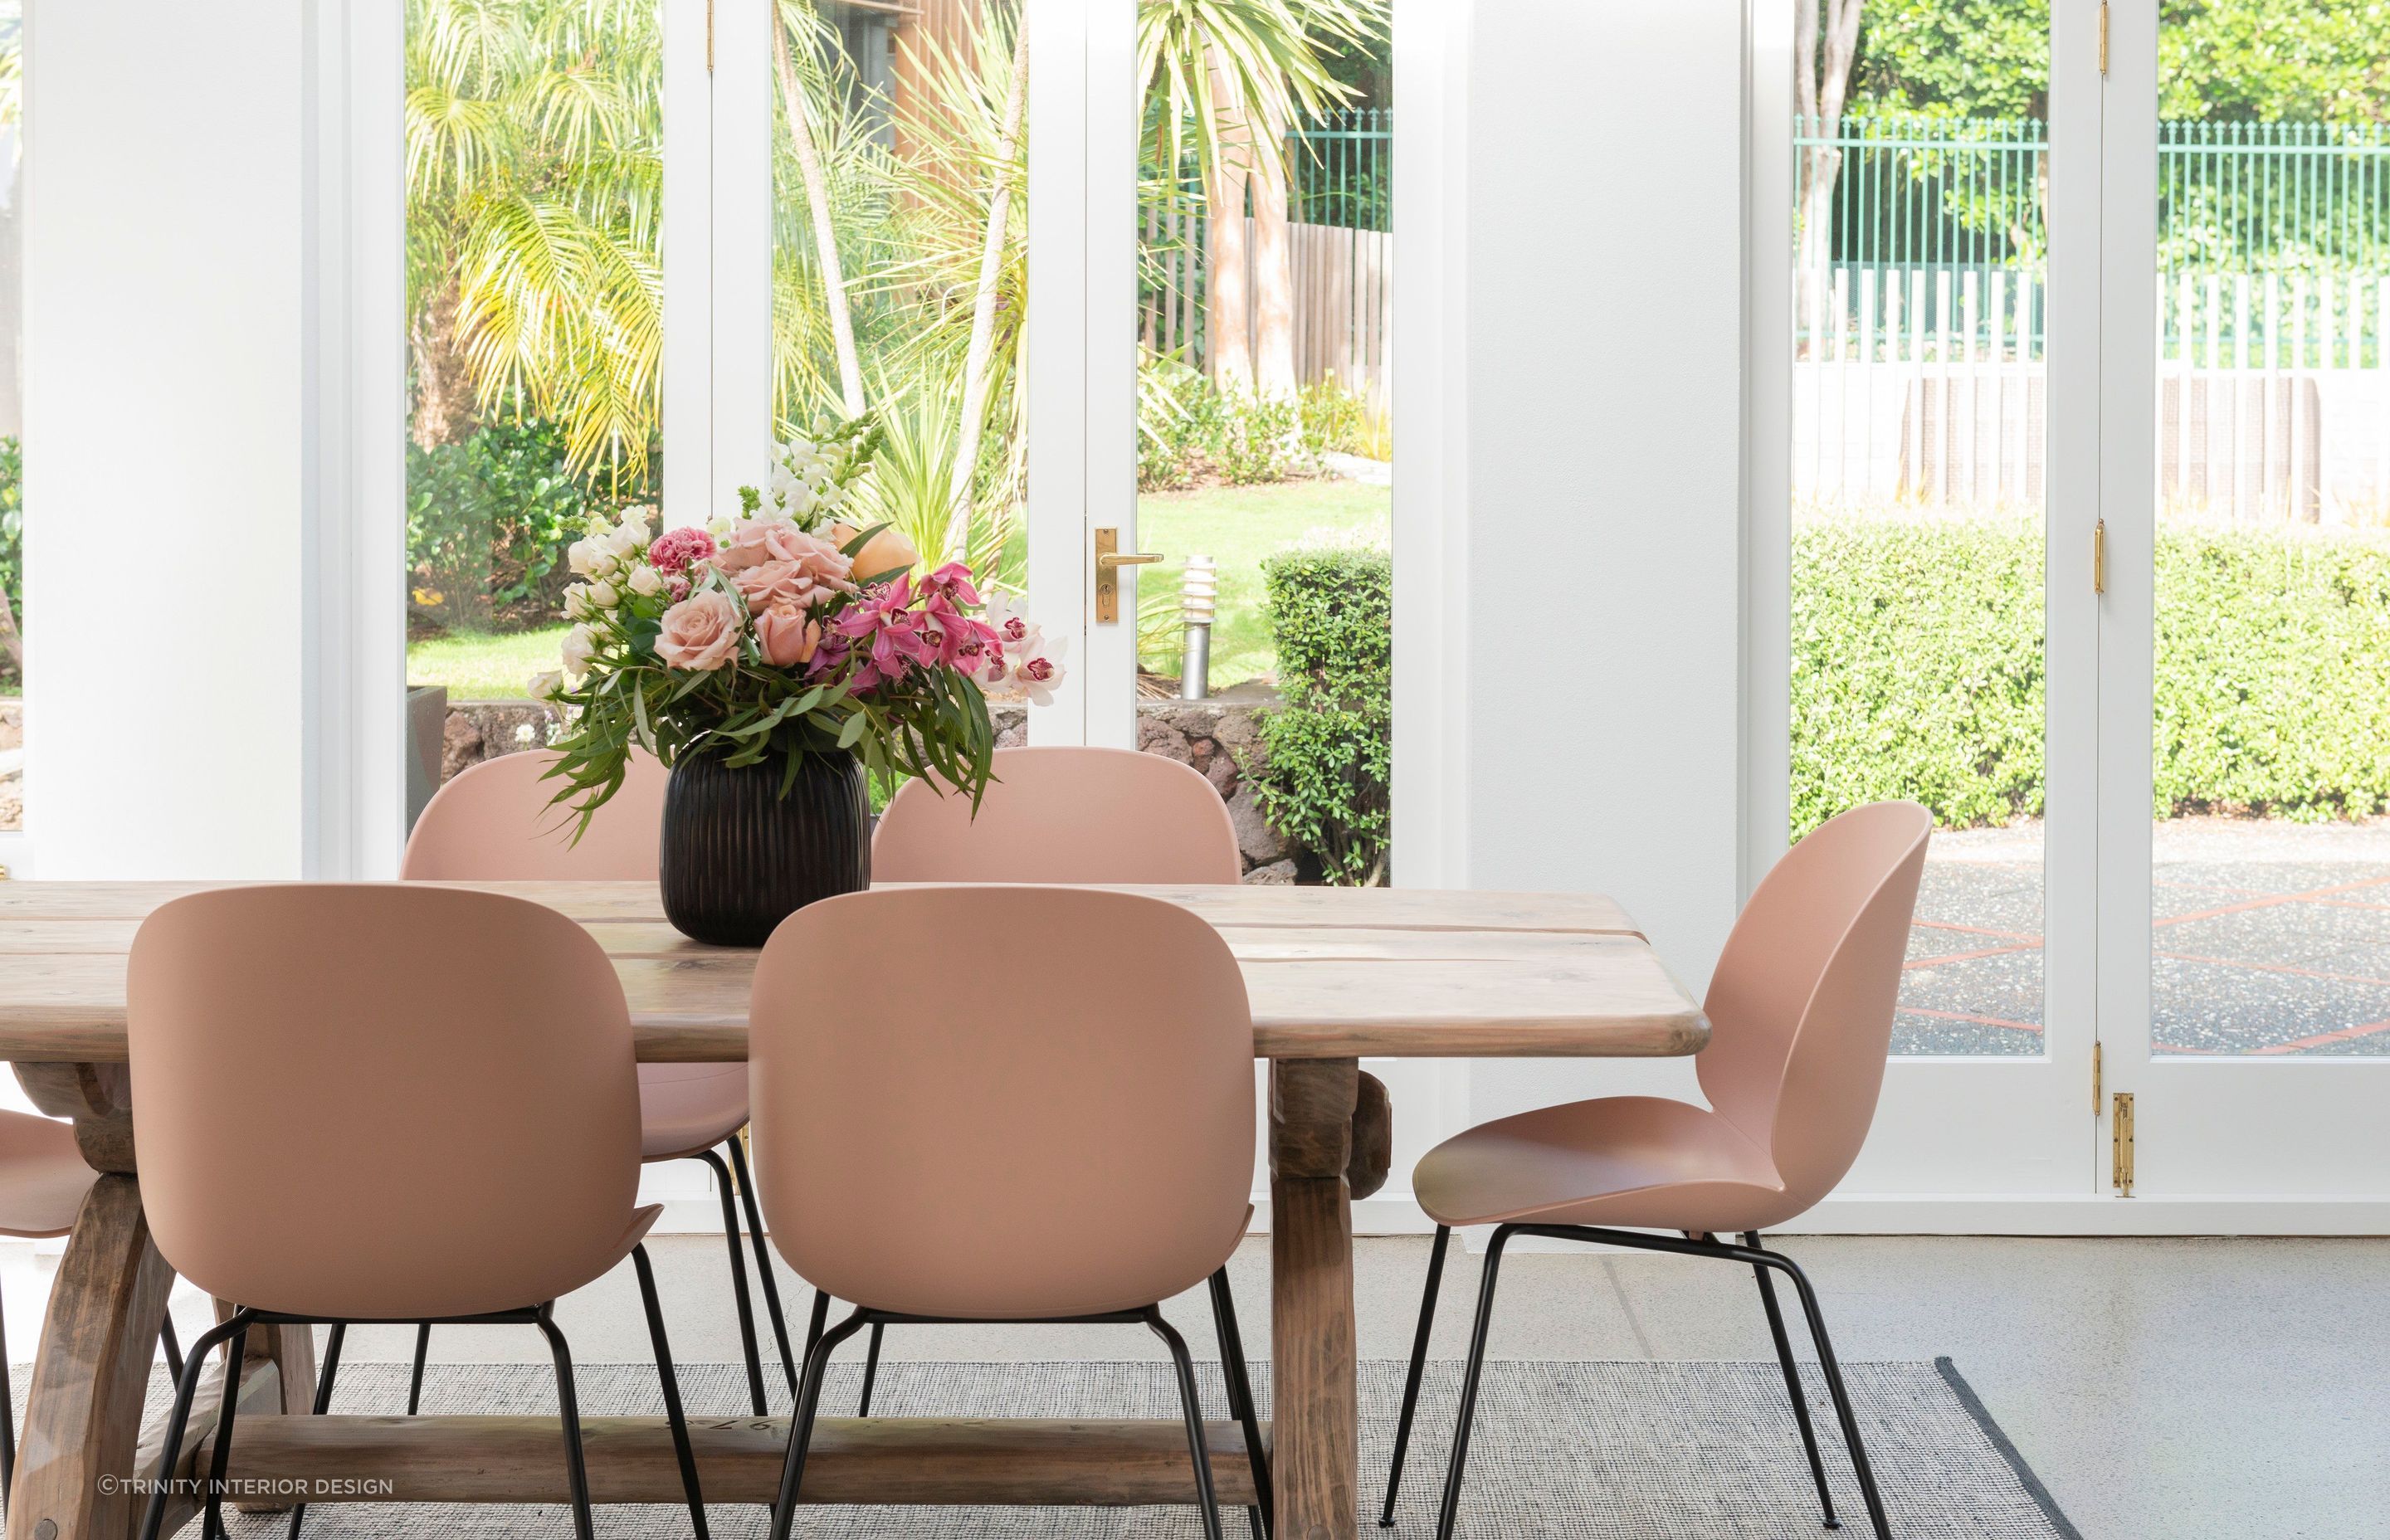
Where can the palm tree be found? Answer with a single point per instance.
(535, 174)
(1241, 72)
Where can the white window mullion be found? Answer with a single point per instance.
(739, 262)
(687, 266)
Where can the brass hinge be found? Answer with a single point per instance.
(2120, 1123)
(2100, 557)
(2098, 1101)
(708, 38)
(2103, 39)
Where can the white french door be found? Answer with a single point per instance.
(2244, 1000)
(2131, 1005)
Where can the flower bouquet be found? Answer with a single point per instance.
(769, 660)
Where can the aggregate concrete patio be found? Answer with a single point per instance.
(2271, 938)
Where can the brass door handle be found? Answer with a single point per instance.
(1110, 559)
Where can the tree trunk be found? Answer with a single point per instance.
(1273, 296)
(982, 333)
(443, 386)
(1228, 324)
(801, 137)
(1821, 82)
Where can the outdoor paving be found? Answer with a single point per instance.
(2271, 938)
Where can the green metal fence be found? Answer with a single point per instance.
(1340, 197)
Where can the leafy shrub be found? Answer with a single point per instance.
(1329, 749)
(1917, 671)
(1190, 430)
(488, 520)
(12, 525)
(1336, 421)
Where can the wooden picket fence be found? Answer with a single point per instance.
(1343, 299)
(1927, 386)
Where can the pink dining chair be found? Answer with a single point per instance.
(1800, 1011)
(455, 1135)
(43, 1182)
(1074, 815)
(1036, 1154)
(496, 822)
(1062, 816)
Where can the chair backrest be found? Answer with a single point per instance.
(1060, 1125)
(1062, 816)
(495, 822)
(380, 1100)
(1801, 1004)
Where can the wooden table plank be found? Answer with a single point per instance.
(1373, 908)
(1546, 975)
(1000, 1461)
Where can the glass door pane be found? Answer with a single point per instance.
(1265, 432)
(900, 272)
(1921, 486)
(535, 174)
(2270, 897)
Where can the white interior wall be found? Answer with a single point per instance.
(1604, 294)
(165, 372)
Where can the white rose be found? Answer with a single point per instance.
(646, 580)
(546, 686)
(577, 602)
(719, 527)
(580, 646)
(605, 594)
(621, 539)
(582, 554)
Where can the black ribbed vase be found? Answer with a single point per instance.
(738, 858)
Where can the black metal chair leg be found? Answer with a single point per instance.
(1469, 1381)
(1843, 1412)
(211, 1526)
(801, 1426)
(820, 1319)
(568, 1403)
(870, 1370)
(1193, 1408)
(1419, 1368)
(1793, 1383)
(671, 1379)
(763, 1263)
(323, 1403)
(8, 1424)
(738, 1277)
(415, 1381)
(178, 1420)
(1261, 1518)
(174, 1349)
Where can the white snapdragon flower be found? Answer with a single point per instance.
(646, 581)
(580, 647)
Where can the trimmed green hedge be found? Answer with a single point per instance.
(1917, 670)
(1329, 753)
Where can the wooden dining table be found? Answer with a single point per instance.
(1335, 976)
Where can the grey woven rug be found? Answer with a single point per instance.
(1623, 1451)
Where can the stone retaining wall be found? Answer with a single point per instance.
(1218, 737)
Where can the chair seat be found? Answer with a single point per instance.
(42, 1176)
(687, 1109)
(1636, 1162)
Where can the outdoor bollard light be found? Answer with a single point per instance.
(1197, 591)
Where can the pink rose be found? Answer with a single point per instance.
(701, 631)
(755, 541)
(788, 637)
(885, 552)
(806, 577)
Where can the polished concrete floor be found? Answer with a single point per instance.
(2164, 1389)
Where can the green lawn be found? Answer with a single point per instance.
(479, 667)
(1237, 527)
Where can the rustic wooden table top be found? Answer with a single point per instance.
(1332, 973)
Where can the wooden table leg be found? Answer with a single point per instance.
(1315, 1442)
(91, 1376)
